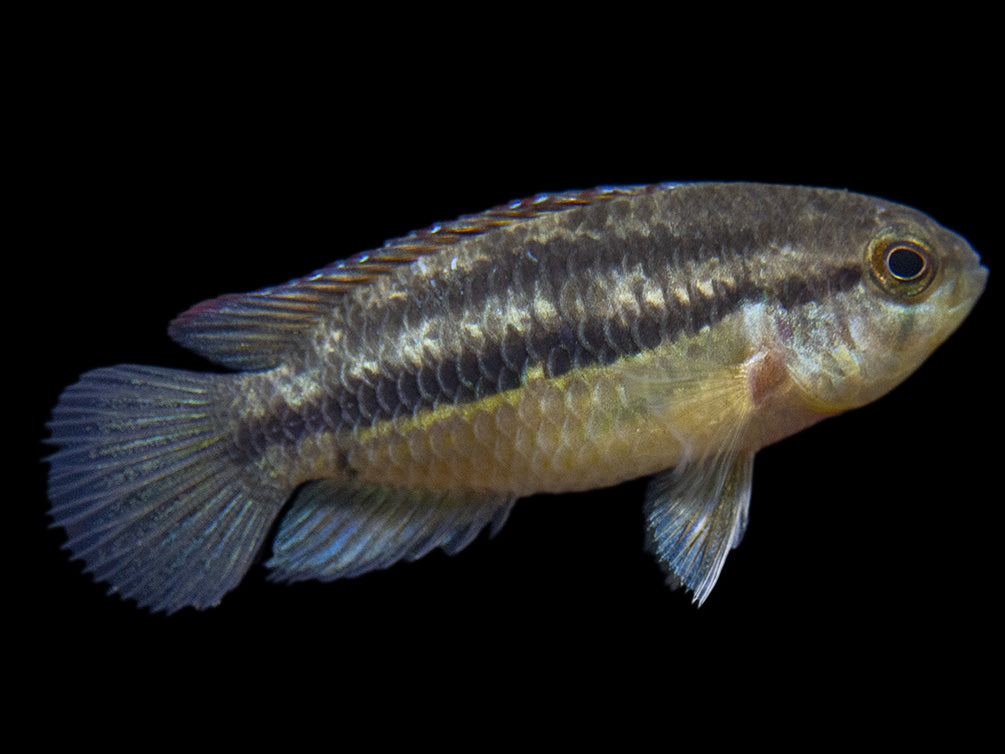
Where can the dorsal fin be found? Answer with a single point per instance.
(252, 331)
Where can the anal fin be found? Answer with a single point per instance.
(343, 529)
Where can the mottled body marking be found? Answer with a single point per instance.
(445, 374)
(565, 342)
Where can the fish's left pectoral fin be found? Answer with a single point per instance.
(695, 514)
(343, 529)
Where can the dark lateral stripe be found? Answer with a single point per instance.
(558, 271)
(469, 376)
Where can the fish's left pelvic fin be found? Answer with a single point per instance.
(343, 529)
(695, 514)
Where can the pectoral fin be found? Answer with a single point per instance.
(695, 514)
(697, 511)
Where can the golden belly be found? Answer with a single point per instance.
(576, 432)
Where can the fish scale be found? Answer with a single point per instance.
(403, 399)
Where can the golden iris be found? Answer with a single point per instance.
(903, 267)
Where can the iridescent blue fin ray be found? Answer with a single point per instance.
(696, 514)
(148, 489)
(341, 530)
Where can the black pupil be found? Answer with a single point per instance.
(905, 263)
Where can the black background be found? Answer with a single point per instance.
(155, 182)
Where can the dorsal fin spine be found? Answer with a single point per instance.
(253, 331)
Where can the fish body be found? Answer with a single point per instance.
(408, 396)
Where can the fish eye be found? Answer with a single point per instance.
(902, 267)
(905, 262)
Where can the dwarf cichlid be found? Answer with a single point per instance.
(407, 397)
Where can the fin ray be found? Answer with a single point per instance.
(253, 331)
(696, 514)
(146, 491)
(339, 530)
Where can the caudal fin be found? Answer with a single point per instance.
(148, 487)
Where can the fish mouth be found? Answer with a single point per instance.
(969, 283)
(967, 288)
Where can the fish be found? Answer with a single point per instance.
(402, 400)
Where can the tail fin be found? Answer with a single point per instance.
(149, 488)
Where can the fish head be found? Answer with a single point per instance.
(918, 281)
